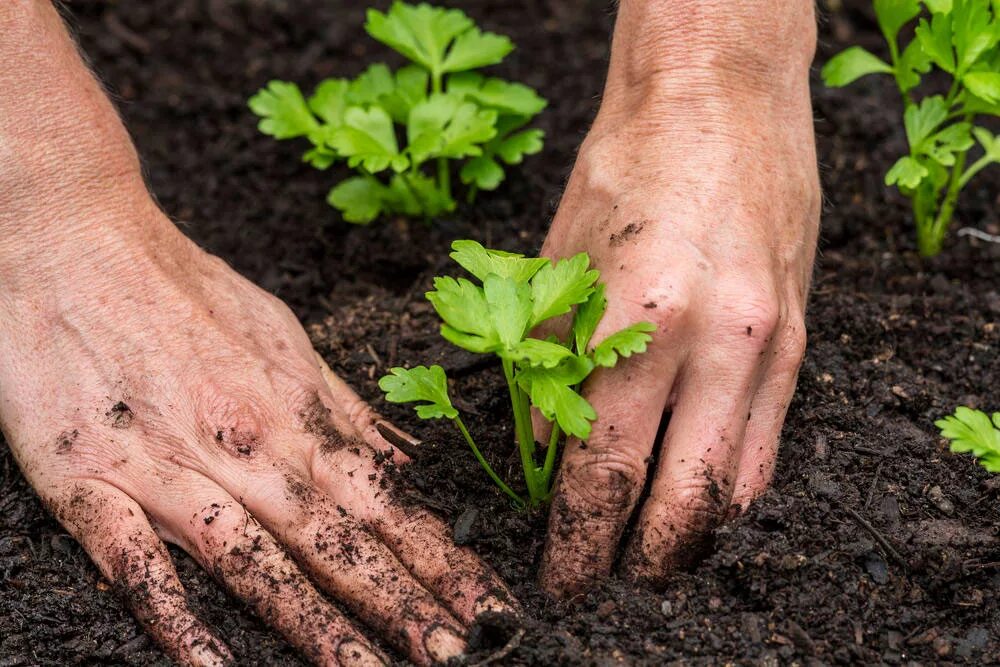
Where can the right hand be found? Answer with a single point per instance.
(151, 395)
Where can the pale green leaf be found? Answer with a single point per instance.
(852, 64)
(984, 85)
(481, 262)
(412, 193)
(908, 172)
(462, 306)
(972, 432)
(556, 288)
(509, 305)
(973, 31)
(535, 352)
(939, 6)
(624, 343)
(329, 101)
(370, 86)
(922, 120)
(482, 171)
(409, 90)
(935, 40)
(989, 142)
(421, 32)
(420, 384)
(368, 139)
(445, 125)
(504, 96)
(359, 199)
(283, 111)
(894, 14)
(587, 317)
(512, 149)
(553, 392)
(474, 49)
(912, 64)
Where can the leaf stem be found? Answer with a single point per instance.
(525, 434)
(444, 175)
(931, 244)
(485, 464)
(550, 456)
(974, 169)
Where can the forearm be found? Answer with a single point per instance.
(708, 56)
(67, 165)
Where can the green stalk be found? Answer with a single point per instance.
(974, 169)
(483, 462)
(444, 176)
(939, 228)
(525, 434)
(550, 457)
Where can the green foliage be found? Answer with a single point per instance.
(961, 38)
(514, 295)
(446, 112)
(972, 432)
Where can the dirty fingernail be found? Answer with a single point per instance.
(494, 604)
(211, 654)
(351, 652)
(408, 446)
(443, 643)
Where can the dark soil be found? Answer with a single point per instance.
(874, 545)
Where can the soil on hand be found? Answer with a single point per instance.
(875, 544)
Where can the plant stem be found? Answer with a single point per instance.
(525, 434)
(550, 457)
(444, 176)
(483, 462)
(931, 245)
(974, 169)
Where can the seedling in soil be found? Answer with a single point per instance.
(515, 295)
(972, 432)
(403, 131)
(960, 38)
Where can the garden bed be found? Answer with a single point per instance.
(874, 544)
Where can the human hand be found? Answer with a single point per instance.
(696, 195)
(151, 395)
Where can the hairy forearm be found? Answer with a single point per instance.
(693, 54)
(67, 165)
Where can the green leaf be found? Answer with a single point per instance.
(283, 111)
(587, 317)
(445, 125)
(852, 64)
(984, 85)
(912, 63)
(552, 392)
(412, 193)
(935, 41)
(973, 32)
(482, 171)
(535, 352)
(513, 148)
(509, 304)
(894, 14)
(939, 6)
(922, 120)
(504, 96)
(420, 32)
(630, 340)
(463, 308)
(989, 142)
(410, 90)
(474, 49)
(971, 431)
(368, 139)
(953, 139)
(420, 383)
(556, 288)
(329, 101)
(359, 199)
(370, 86)
(908, 172)
(481, 262)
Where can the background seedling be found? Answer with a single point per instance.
(403, 131)
(972, 432)
(959, 38)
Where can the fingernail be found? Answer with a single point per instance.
(351, 652)
(210, 654)
(494, 604)
(409, 447)
(443, 643)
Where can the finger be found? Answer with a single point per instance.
(376, 431)
(349, 563)
(770, 406)
(421, 541)
(696, 473)
(222, 536)
(601, 479)
(116, 534)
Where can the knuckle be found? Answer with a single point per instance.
(607, 481)
(239, 422)
(699, 505)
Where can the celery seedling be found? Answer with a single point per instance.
(447, 112)
(971, 432)
(961, 38)
(515, 295)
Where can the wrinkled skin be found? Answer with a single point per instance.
(696, 195)
(157, 396)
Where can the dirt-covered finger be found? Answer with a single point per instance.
(116, 534)
(357, 569)
(221, 535)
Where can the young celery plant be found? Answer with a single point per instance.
(515, 295)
